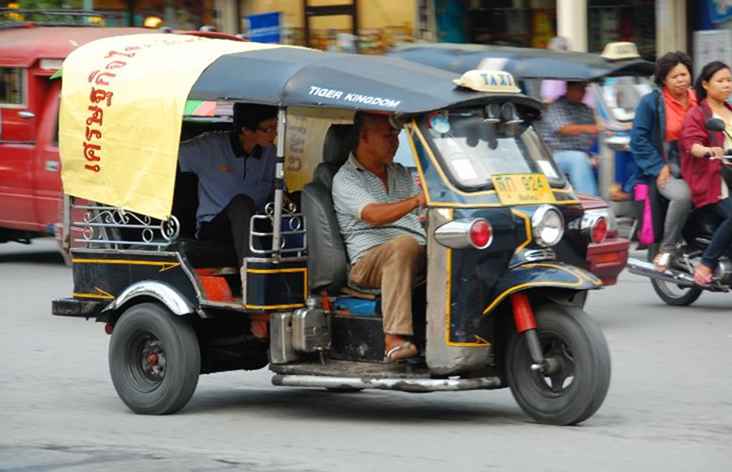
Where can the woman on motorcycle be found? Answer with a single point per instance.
(653, 142)
(701, 162)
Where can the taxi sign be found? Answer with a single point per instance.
(488, 81)
(620, 50)
(522, 189)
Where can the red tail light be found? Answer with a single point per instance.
(481, 234)
(598, 231)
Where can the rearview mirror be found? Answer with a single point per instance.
(714, 124)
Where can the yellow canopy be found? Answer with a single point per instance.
(122, 104)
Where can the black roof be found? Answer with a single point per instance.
(306, 77)
(523, 63)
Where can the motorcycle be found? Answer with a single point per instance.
(676, 285)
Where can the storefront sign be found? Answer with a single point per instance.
(720, 11)
(264, 28)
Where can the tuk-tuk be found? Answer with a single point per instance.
(618, 78)
(499, 307)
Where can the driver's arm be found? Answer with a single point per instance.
(377, 214)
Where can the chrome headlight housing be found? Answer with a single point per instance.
(547, 225)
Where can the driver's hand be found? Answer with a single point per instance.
(422, 200)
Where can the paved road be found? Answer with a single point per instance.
(669, 407)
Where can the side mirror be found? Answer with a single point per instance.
(714, 124)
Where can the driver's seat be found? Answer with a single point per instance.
(328, 260)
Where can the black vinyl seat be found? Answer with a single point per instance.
(199, 253)
(328, 261)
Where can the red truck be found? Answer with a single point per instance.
(30, 183)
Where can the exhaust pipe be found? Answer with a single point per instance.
(647, 269)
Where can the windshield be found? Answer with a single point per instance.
(471, 150)
(622, 94)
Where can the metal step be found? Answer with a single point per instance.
(415, 385)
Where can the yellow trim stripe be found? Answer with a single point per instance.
(580, 276)
(448, 310)
(291, 270)
(99, 294)
(527, 228)
(410, 139)
(274, 307)
(162, 264)
(275, 271)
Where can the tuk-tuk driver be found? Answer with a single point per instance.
(375, 202)
(235, 172)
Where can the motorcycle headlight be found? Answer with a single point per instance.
(548, 226)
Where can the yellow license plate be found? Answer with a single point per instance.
(523, 189)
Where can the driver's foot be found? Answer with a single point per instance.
(397, 348)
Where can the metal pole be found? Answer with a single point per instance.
(279, 183)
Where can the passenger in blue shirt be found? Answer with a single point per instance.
(236, 171)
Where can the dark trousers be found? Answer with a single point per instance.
(722, 237)
(231, 225)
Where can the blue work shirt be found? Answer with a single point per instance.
(225, 171)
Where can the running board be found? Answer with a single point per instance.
(415, 385)
(648, 269)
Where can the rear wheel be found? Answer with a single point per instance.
(672, 294)
(154, 360)
(578, 375)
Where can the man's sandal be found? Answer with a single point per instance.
(401, 351)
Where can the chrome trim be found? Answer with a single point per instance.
(532, 255)
(120, 252)
(162, 292)
(450, 384)
(194, 281)
(456, 234)
(538, 218)
(231, 306)
(589, 220)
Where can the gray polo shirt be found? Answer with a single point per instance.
(223, 173)
(354, 187)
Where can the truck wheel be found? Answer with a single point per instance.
(154, 360)
(576, 382)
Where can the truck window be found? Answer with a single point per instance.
(12, 86)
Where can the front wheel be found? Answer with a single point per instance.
(154, 360)
(576, 381)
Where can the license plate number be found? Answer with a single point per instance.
(522, 189)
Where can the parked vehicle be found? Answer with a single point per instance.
(30, 184)
(500, 307)
(618, 78)
(676, 285)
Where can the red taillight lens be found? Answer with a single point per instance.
(481, 234)
(598, 232)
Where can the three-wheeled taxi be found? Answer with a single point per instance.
(499, 306)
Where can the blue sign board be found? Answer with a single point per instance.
(264, 28)
(720, 11)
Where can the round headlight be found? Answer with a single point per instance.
(548, 225)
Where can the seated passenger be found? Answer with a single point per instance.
(375, 202)
(236, 171)
(703, 173)
(569, 128)
(654, 144)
